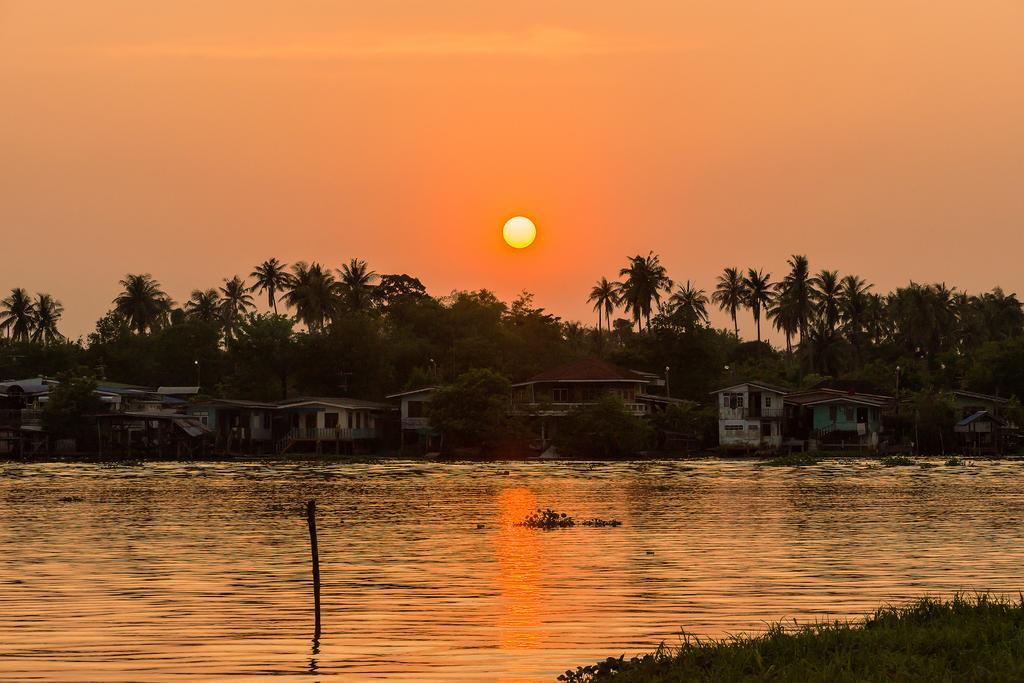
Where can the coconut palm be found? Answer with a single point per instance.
(18, 315)
(47, 316)
(313, 293)
(797, 284)
(605, 297)
(784, 312)
(271, 277)
(142, 304)
(730, 294)
(356, 284)
(645, 279)
(825, 295)
(235, 302)
(853, 301)
(691, 302)
(757, 288)
(204, 305)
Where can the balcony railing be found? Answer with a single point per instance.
(415, 422)
(330, 434)
(20, 417)
(563, 408)
(748, 413)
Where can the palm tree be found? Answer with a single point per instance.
(605, 297)
(18, 315)
(271, 277)
(825, 295)
(313, 293)
(784, 312)
(797, 285)
(204, 305)
(691, 302)
(48, 314)
(757, 288)
(356, 284)
(235, 302)
(645, 279)
(142, 303)
(730, 294)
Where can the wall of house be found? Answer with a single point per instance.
(845, 418)
(736, 404)
(749, 433)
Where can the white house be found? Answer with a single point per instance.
(416, 426)
(750, 415)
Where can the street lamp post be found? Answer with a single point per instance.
(668, 392)
(198, 373)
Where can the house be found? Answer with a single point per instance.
(151, 432)
(344, 424)
(250, 426)
(750, 415)
(981, 433)
(550, 396)
(969, 402)
(832, 417)
(415, 425)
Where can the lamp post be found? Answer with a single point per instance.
(198, 373)
(668, 392)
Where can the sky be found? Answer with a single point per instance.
(194, 139)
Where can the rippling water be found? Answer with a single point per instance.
(184, 570)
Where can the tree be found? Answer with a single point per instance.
(271, 277)
(313, 293)
(605, 429)
(797, 286)
(730, 294)
(473, 410)
(263, 356)
(48, 314)
(395, 290)
(605, 297)
(645, 279)
(204, 305)
(825, 295)
(70, 402)
(235, 302)
(356, 284)
(142, 303)
(691, 303)
(784, 312)
(18, 315)
(757, 289)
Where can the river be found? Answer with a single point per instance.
(202, 570)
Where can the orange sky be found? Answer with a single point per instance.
(192, 139)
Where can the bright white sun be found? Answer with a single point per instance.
(519, 232)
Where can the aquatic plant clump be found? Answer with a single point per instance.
(549, 519)
(930, 640)
(791, 460)
(897, 461)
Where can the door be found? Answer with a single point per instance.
(754, 410)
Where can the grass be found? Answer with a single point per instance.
(972, 639)
(791, 460)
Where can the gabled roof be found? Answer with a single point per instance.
(760, 385)
(234, 403)
(980, 397)
(421, 390)
(858, 400)
(177, 391)
(334, 402)
(823, 395)
(980, 415)
(586, 370)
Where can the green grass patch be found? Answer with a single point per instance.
(972, 639)
(897, 461)
(791, 460)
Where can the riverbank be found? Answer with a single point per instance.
(966, 638)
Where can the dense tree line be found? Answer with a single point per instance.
(352, 331)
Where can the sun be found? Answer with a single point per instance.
(519, 232)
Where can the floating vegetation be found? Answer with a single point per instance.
(71, 499)
(897, 461)
(957, 462)
(927, 465)
(791, 460)
(549, 519)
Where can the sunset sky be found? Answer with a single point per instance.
(193, 139)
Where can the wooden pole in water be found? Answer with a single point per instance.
(311, 519)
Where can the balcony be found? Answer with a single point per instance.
(559, 408)
(415, 423)
(748, 413)
(330, 434)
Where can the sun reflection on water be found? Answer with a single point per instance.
(519, 554)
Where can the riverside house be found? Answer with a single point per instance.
(415, 425)
(982, 425)
(756, 415)
(550, 396)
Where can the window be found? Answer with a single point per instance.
(732, 400)
(266, 420)
(415, 409)
(848, 413)
(204, 418)
(331, 420)
(767, 401)
(350, 420)
(560, 395)
(832, 413)
(590, 394)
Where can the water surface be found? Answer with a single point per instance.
(178, 570)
